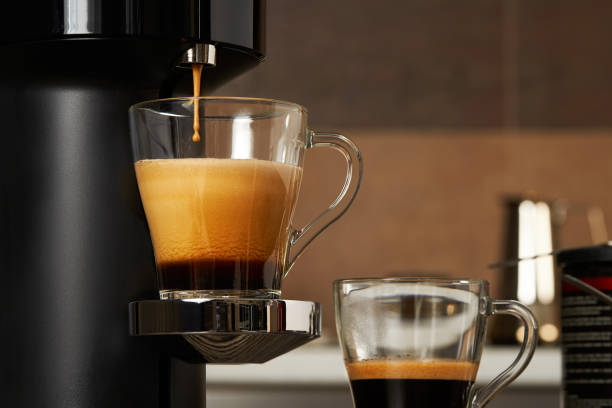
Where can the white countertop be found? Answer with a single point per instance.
(322, 365)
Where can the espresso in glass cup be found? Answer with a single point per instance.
(220, 207)
(418, 341)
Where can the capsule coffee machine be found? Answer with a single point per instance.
(75, 246)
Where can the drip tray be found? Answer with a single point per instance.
(226, 331)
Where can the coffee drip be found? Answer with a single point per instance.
(196, 70)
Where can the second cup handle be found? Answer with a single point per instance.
(354, 171)
(510, 307)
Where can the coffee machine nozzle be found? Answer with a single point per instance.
(205, 54)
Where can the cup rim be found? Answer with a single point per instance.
(268, 101)
(413, 279)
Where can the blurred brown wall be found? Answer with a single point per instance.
(454, 105)
(431, 201)
(438, 63)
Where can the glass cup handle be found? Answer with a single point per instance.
(510, 307)
(354, 165)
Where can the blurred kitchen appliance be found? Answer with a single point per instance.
(75, 247)
(586, 325)
(533, 232)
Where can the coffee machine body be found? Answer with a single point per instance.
(75, 246)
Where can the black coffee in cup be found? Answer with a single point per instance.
(411, 383)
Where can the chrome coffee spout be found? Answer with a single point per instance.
(205, 54)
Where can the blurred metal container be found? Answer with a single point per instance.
(532, 235)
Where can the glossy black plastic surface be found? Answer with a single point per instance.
(74, 234)
(234, 23)
(585, 255)
(74, 240)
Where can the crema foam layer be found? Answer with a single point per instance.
(217, 209)
(435, 369)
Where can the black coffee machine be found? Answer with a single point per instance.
(75, 246)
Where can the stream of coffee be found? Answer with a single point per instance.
(196, 69)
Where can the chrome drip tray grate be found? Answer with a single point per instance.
(227, 331)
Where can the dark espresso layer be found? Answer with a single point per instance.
(400, 383)
(218, 275)
(404, 393)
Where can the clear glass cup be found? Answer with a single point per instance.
(220, 208)
(418, 341)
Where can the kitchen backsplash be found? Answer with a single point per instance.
(390, 74)
(438, 63)
(431, 201)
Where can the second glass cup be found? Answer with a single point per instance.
(220, 209)
(418, 341)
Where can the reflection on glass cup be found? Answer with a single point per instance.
(220, 209)
(418, 341)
